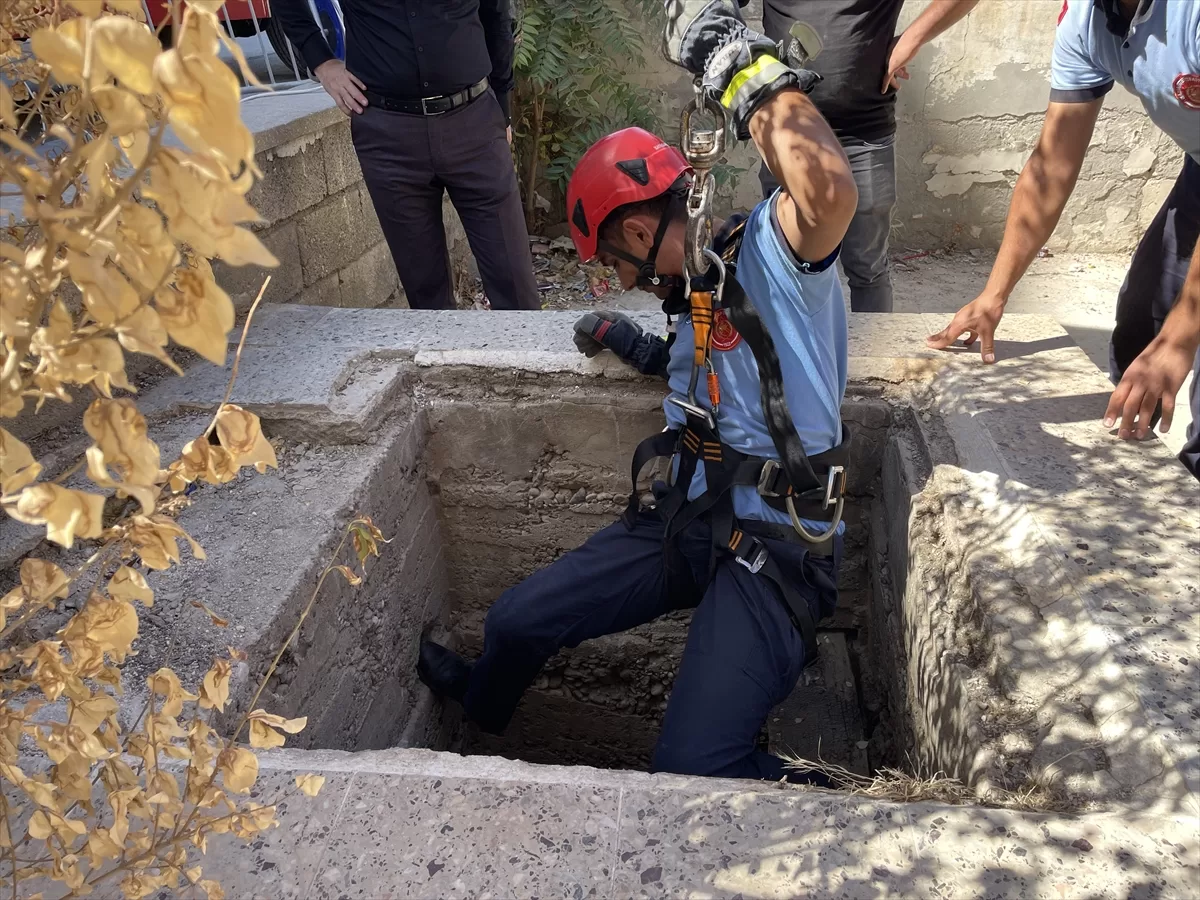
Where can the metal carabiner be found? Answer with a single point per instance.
(702, 147)
(698, 234)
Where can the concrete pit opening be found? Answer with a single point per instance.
(969, 639)
(522, 472)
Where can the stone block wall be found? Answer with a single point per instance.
(318, 217)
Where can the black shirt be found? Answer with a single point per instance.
(856, 36)
(414, 48)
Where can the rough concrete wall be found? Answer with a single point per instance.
(967, 120)
(969, 117)
(319, 219)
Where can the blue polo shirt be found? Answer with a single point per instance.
(1157, 59)
(802, 309)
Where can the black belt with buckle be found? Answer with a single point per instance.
(428, 106)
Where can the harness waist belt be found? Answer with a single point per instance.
(428, 106)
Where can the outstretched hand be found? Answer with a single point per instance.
(1157, 374)
(978, 319)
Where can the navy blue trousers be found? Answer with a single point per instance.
(743, 655)
(1156, 276)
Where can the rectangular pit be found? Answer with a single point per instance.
(512, 500)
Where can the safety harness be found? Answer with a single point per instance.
(806, 488)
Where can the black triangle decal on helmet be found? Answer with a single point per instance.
(579, 218)
(636, 169)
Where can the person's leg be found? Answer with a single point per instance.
(612, 583)
(743, 657)
(472, 157)
(1157, 271)
(865, 247)
(393, 151)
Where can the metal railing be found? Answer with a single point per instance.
(271, 50)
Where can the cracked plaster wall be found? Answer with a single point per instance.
(968, 119)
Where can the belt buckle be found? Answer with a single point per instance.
(766, 477)
(758, 560)
(425, 108)
(834, 472)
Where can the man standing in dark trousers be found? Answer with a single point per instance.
(860, 62)
(426, 84)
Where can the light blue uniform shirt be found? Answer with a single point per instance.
(806, 317)
(1158, 61)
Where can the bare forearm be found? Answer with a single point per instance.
(937, 17)
(800, 149)
(1042, 191)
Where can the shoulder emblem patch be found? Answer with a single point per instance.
(1187, 89)
(724, 335)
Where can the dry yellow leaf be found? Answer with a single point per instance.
(101, 847)
(129, 584)
(154, 537)
(62, 49)
(200, 459)
(106, 294)
(119, 431)
(212, 890)
(197, 313)
(17, 303)
(128, 49)
(310, 784)
(263, 737)
(262, 729)
(214, 690)
(123, 111)
(349, 575)
(203, 206)
(239, 768)
(8, 110)
(165, 683)
(88, 714)
(216, 620)
(240, 433)
(144, 251)
(66, 513)
(109, 623)
(193, 874)
(43, 581)
(18, 468)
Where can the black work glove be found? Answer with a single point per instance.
(615, 331)
(737, 66)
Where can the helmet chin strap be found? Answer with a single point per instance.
(648, 276)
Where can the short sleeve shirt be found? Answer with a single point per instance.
(1157, 59)
(802, 308)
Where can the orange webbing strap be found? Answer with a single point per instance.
(702, 323)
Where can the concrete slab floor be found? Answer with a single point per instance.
(1078, 290)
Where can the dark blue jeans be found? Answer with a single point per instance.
(1152, 285)
(743, 655)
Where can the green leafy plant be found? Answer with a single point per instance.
(570, 64)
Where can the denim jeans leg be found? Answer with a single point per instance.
(865, 247)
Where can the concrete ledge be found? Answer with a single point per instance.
(416, 823)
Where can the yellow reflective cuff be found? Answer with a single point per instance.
(753, 70)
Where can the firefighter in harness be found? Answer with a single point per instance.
(748, 533)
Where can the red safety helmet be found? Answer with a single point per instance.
(628, 166)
